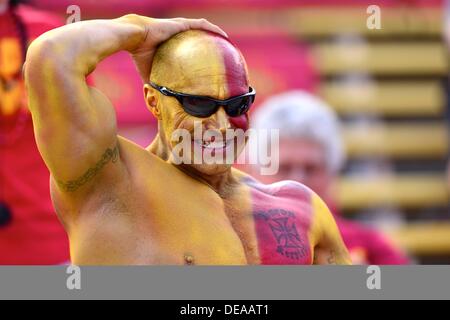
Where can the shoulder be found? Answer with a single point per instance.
(302, 195)
(285, 189)
(134, 155)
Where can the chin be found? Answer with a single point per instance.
(210, 169)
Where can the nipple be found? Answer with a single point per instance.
(189, 259)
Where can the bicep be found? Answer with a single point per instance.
(75, 125)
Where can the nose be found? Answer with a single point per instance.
(220, 119)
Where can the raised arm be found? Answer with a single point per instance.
(330, 249)
(75, 124)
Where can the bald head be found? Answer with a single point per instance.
(200, 62)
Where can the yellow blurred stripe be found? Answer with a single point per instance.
(423, 238)
(397, 140)
(400, 98)
(412, 58)
(408, 191)
(319, 22)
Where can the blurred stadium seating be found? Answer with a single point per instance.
(390, 87)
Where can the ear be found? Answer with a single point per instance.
(151, 97)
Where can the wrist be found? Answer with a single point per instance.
(137, 30)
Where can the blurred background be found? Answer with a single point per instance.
(389, 88)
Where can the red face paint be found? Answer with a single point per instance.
(282, 213)
(236, 77)
(235, 67)
(240, 122)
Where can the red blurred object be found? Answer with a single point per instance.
(368, 246)
(34, 236)
(119, 80)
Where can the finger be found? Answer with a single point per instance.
(204, 25)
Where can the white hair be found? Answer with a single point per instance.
(298, 114)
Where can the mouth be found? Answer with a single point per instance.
(214, 145)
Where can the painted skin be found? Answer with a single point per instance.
(125, 205)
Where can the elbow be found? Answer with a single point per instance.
(39, 49)
(39, 73)
(41, 56)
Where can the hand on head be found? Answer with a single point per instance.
(157, 31)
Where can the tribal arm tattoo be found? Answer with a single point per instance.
(110, 155)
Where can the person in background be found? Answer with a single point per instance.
(311, 152)
(30, 233)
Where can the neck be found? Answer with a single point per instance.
(159, 148)
(222, 183)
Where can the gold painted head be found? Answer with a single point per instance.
(199, 63)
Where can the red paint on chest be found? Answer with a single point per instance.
(282, 215)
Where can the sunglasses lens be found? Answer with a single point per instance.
(238, 107)
(199, 107)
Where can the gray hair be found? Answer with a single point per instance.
(298, 114)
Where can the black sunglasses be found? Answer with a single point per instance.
(203, 107)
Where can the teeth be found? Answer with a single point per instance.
(213, 144)
(216, 144)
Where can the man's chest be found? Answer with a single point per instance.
(268, 227)
(252, 226)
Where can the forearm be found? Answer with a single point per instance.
(81, 46)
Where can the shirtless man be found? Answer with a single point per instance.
(124, 205)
